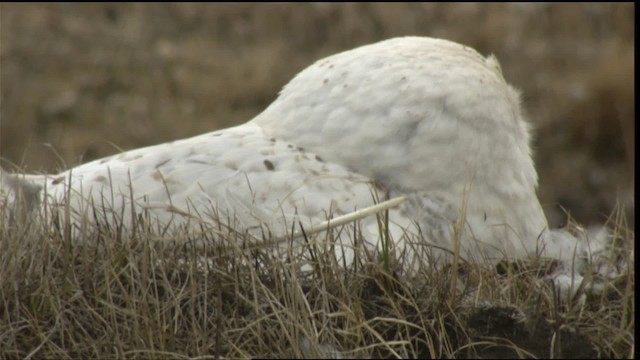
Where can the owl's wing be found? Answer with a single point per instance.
(237, 176)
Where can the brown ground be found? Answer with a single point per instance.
(79, 82)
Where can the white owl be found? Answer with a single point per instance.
(426, 120)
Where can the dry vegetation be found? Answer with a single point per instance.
(81, 78)
(122, 294)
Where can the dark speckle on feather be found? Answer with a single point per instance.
(106, 159)
(100, 178)
(57, 180)
(269, 165)
(162, 163)
(124, 157)
(231, 165)
(157, 176)
(195, 161)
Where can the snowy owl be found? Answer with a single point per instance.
(428, 122)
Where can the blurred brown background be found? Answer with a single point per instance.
(80, 81)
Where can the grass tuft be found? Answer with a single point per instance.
(124, 294)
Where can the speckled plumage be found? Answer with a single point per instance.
(427, 118)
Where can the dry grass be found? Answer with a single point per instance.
(116, 295)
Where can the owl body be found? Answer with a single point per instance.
(424, 118)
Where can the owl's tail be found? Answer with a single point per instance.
(20, 195)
